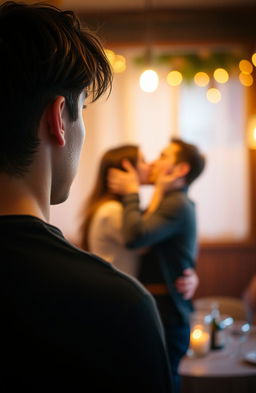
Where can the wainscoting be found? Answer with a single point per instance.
(225, 270)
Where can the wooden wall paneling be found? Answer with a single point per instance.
(225, 270)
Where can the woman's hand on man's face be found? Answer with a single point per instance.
(123, 182)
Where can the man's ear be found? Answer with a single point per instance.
(55, 120)
(182, 169)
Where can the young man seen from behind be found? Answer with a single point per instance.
(70, 321)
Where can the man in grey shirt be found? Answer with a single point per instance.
(166, 234)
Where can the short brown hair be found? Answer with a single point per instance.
(190, 153)
(44, 53)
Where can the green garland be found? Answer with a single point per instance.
(191, 63)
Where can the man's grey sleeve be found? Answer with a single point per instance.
(160, 225)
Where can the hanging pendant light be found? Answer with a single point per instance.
(149, 79)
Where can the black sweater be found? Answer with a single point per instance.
(70, 321)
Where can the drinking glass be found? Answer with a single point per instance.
(238, 332)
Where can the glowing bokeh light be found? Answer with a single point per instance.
(119, 64)
(252, 139)
(254, 134)
(110, 55)
(245, 79)
(174, 78)
(149, 81)
(221, 75)
(254, 59)
(245, 66)
(213, 95)
(201, 79)
(197, 334)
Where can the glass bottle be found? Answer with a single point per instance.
(218, 336)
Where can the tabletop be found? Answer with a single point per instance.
(227, 369)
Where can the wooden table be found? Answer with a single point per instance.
(221, 371)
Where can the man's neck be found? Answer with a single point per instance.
(179, 184)
(17, 198)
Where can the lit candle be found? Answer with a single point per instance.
(199, 341)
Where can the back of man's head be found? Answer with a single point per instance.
(44, 53)
(190, 153)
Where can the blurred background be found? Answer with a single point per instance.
(201, 87)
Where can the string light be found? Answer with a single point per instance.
(221, 75)
(149, 81)
(252, 139)
(245, 79)
(245, 66)
(110, 55)
(254, 59)
(213, 95)
(254, 136)
(119, 64)
(201, 79)
(174, 78)
(251, 134)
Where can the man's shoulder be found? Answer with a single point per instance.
(107, 286)
(177, 204)
(178, 198)
(36, 246)
(106, 274)
(95, 269)
(99, 275)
